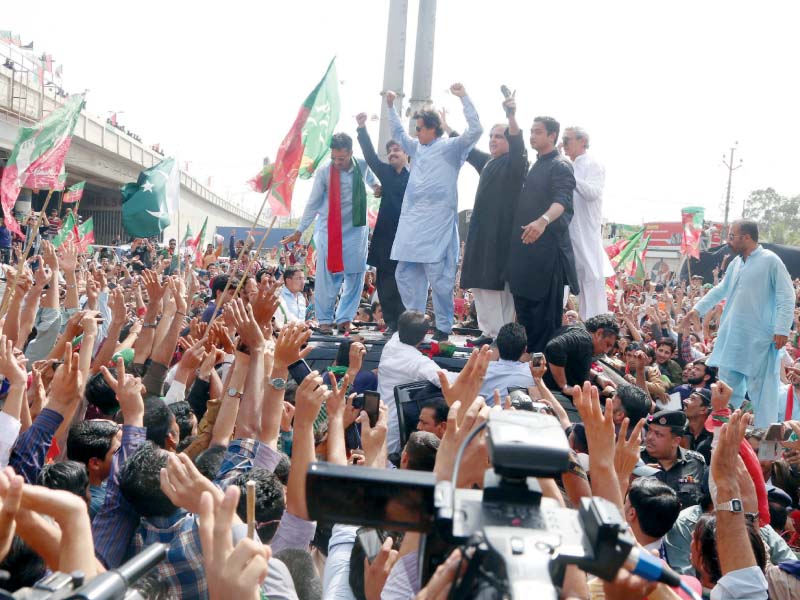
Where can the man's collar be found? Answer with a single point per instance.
(552, 154)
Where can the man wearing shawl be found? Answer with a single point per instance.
(338, 202)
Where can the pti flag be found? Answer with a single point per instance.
(80, 234)
(307, 142)
(197, 244)
(692, 218)
(74, 193)
(148, 203)
(38, 156)
(262, 181)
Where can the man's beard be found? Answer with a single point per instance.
(695, 380)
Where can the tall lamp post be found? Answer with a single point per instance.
(728, 162)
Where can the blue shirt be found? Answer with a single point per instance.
(428, 226)
(503, 374)
(759, 305)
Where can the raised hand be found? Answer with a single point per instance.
(65, 389)
(10, 368)
(155, 290)
(373, 439)
(390, 98)
(455, 434)
(599, 424)
(129, 390)
(310, 395)
(376, 574)
(626, 453)
(721, 394)
(69, 256)
(457, 89)
(289, 346)
(184, 485)
(249, 331)
(230, 572)
(469, 380)
(361, 119)
(265, 304)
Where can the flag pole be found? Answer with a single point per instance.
(24, 255)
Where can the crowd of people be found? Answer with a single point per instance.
(145, 395)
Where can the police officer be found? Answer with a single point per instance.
(680, 469)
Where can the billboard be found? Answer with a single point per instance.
(667, 234)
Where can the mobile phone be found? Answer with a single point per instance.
(299, 371)
(371, 541)
(372, 405)
(537, 358)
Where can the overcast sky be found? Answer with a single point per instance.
(664, 90)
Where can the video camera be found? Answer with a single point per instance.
(519, 542)
(111, 585)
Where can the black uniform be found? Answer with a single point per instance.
(684, 476)
(571, 348)
(538, 272)
(489, 237)
(393, 186)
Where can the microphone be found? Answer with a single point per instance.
(507, 93)
(649, 567)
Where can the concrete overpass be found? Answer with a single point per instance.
(102, 155)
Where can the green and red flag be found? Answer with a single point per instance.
(67, 227)
(626, 250)
(38, 156)
(307, 142)
(638, 274)
(84, 235)
(74, 193)
(187, 236)
(197, 245)
(692, 218)
(261, 182)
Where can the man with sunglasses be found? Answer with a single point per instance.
(426, 244)
(755, 323)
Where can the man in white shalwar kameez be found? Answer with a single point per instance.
(591, 261)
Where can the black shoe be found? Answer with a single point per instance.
(440, 336)
(481, 341)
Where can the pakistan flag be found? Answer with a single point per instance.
(148, 203)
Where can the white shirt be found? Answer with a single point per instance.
(742, 584)
(401, 363)
(9, 431)
(336, 576)
(503, 374)
(293, 305)
(586, 224)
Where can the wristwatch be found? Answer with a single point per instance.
(546, 218)
(278, 383)
(733, 505)
(234, 393)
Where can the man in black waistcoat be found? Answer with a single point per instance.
(502, 172)
(541, 261)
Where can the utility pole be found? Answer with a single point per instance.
(728, 162)
(394, 67)
(423, 60)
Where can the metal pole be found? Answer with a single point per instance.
(731, 168)
(423, 59)
(394, 67)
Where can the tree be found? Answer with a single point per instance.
(778, 216)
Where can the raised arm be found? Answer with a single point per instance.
(367, 149)
(474, 128)
(408, 143)
(309, 398)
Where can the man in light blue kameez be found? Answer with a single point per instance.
(338, 203)
(426, 244)
(759, 310)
